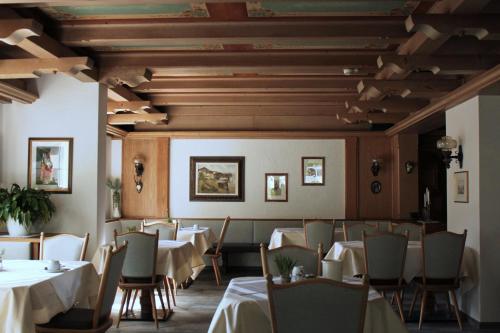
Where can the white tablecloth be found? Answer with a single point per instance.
(176, 259)
(294, 236)
(245, 309)
(352, 256)
(30, 295)
(202, 238)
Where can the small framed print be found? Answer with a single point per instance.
(313, 171)
(50, 164)
(461, 186)
(276, 187)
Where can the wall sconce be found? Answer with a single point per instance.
(446, 144)
(376, 166)
(139, 171)
(409, 166)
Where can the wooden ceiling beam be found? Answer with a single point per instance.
(252, 99)
(131, 76)
(248, 84)
(373, 89)
(391, 105)
(123, 94)
(230, 63)
(390, 29)
(129, 106)
(132, 119)
(14, 31)
(399, 67)
(372, 118)
(5, 100)
(253, 110)
(18, 91)
(33, 68)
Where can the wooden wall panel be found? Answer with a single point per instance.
(376, 206)
(152, 202)
(405, 186)
(351, 178)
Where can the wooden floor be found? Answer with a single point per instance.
(196, 306)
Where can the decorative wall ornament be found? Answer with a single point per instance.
(447, 144)
(376, 187)
(139, 171)
(376, 166)
(409, 166)
(461, 186)
(313, 171)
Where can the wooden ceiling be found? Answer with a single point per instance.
(258, 65)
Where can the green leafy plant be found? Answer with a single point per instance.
(285, 265)
(26, 205)
(115, 186)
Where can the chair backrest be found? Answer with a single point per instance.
(222, 234)
(319, 231)
(414, 230)
(309, 258)
(385, 255)
(317, 305)
(113, 265)
(166, 230)
(442, 254)
(354, 231)
(140, 261)
(63, 247)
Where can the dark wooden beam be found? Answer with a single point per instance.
(129, 106)
(18, 91)
(372, 89)
(252, 99)
(391, 105)
(132, 119)
(33, 68)
(390, 29)
(115, 132)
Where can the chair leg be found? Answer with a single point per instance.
(153, 303)
(133, 299)
(400, 306)
(124, 298)
(171, 290)
(128, 302)
(215, 265)
(448, 301)
(161, 302)
(167, 289)
(422, 308)
(414, 300)
(455, 305)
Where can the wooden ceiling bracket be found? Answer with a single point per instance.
(33, 68)
(14, 31)
(130, 76)
(18, 91)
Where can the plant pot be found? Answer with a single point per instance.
(116, 212)
(15, 229)
(285, 278)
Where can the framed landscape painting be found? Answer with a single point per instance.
(50, 163)
(217, 178)
(313, 171)
(461, 190)
(276, 187)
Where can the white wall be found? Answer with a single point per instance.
(262, 156)
(476, 124)
(66, 108)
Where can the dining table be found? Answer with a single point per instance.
(294, 236)
(31, 295)
(202, 238)
(244, 308)
(351, 254)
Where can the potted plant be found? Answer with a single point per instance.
(25, 209)
(285, 266)
(115, 187)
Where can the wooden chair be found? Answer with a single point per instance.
(319, 232)
(96, 320)
(442, 254)
(139, 269)
(354, 231)
(317, 305)
(215, 252)
(309, 258)
(63, 247)
(414, 230)
(384, 258)
(167, 230)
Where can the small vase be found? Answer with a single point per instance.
(116, 212)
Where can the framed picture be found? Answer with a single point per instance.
(50, 164)
(217, 178)
(461, 186)
(276, 187)
(313, 171)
